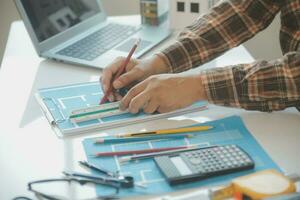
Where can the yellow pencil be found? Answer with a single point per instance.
(167, 131)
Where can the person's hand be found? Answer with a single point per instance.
(136, 71)
(164, 93)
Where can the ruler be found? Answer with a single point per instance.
(96, 112)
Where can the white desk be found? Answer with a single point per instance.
(29, 149)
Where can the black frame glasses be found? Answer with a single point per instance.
(42, 195)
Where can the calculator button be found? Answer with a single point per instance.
(200, 170)
(195, 161)
(235, 163)
(207, 170)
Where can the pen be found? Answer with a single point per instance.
(151, 155)
(137, 139)
(95, 168)
(142, 151)
(167, 131)
(120, 71)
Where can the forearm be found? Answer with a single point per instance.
(264, 86)
(160, 64)
(227, 25)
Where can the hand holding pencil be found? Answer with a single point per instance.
(136, 70)
(121, 70)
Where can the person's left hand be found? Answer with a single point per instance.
(164, 93)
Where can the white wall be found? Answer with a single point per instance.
(121, 7)
(8, 14)
(263, 46)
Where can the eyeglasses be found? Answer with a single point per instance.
(112, 183)
(112, 189)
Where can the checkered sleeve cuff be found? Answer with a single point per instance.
(219, 85)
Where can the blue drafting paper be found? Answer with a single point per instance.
(61, 101)
(230, 130)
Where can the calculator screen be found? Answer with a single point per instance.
(181, 165)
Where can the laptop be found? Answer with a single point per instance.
(78, 32)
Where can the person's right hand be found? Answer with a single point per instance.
(136, 71)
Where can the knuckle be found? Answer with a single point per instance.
(127, 99)
(160, 110)
(159, 99)
(124, 103)
(148, 110)
(135, 102)
(136, 70)
(133, 109)
(106, 75)
(132, 91)
(163, 109)
(124, 78)
(137, 73)
(106, 70)
(119, 58)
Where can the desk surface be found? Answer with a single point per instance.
(29, 149)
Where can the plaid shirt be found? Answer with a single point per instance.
(262, 85)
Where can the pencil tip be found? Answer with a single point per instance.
(138, 41)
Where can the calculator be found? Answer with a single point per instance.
(203, 163)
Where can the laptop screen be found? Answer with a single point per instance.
(50, 17)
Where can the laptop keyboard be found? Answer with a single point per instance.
(92, 46)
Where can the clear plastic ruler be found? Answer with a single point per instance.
(96, 112)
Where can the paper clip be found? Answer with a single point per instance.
(54, 121)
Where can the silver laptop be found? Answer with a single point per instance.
(78, 32)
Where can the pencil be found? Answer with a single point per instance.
(137, 139)
(167, 131)
(120, 71)
(151, 155)
(142, 151)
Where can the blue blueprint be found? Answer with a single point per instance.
(61, 101)
(230, 130)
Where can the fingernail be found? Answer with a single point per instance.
(134, 110)
(111, 98)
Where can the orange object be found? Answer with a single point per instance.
(263, 184)
(238, 196)
(256, 186)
